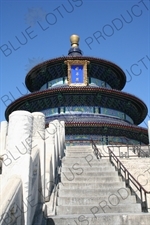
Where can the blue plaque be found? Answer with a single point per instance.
(77, 74)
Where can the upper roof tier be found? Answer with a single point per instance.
(56, 68)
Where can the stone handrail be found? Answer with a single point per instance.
(130, 179)
(32, 154)
(11, 202)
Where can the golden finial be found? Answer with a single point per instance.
(74, 39)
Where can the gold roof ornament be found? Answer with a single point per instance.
(74, 39)
(77, 68)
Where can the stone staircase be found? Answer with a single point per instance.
(92, 193)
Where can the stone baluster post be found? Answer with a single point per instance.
(38, 141)
(55, 130)
(57, 134)
(18, 159)
(19, 140)
(63, 147)
(51, 160)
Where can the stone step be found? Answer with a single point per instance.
(79, 154)
(92, 193)
(79, 150)
(82, 147)
(72, 185)
(74, 153)
(86, 164)
(101, 219)
(112, 200)
(124, 192)
(101, 208)
(76, 167)
(88, 161)
(88, 157)
(85, 179)
(81, 172)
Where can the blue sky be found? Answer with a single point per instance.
(34, 31)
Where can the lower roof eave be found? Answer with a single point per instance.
(130, 131)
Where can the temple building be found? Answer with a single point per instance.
(86, 93)
(72, 151)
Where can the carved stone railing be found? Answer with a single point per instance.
(12, 207)
(33, 154)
